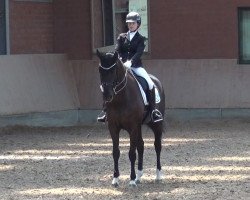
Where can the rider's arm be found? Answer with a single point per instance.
(139, 51)
(118, 45)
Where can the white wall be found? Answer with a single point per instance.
(45, 83)
(36, 83)
(203, 83)
(188, 83)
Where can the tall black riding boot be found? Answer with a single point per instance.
(156, 115)
(102, 117)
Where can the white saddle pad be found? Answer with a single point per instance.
(157, 95)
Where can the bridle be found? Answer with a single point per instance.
(116, 86)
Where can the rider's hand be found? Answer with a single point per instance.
(128, 64)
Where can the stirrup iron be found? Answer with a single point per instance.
(102, 117)
(156, 116)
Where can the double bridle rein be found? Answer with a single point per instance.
(117, 86)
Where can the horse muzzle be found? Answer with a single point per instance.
(108, 98)
(108, 94)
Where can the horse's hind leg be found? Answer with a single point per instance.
(140, 150)
(157, 129)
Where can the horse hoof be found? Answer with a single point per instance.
(132, 184)
(115, 185)
(115, 182)
(138, 177)
(158, 175)
(137, 181)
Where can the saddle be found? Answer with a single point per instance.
(142, 81)
(143, 85)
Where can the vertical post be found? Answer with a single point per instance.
(7, 23)
(114, 21)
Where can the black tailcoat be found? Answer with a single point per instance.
(131, 50)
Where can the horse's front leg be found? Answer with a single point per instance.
(158, 146)
(116, 155)
(140, 150)
(132, 155)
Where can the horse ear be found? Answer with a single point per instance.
(116, 55)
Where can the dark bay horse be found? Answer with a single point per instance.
(126, 110)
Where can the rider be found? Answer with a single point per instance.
(130, 47)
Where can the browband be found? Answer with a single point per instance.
(108, 67)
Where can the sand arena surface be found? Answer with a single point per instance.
(201, 160)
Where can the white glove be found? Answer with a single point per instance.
(128, 64)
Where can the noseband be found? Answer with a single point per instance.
(116, 86)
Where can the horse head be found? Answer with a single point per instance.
(108, 73)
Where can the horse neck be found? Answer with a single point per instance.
(124, 76)
(121, 72)
(121, 83)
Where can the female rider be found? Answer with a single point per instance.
(130, 47)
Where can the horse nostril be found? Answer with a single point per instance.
(108, 96)
(108, 99)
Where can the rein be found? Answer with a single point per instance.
(124, 80)
(121, 84)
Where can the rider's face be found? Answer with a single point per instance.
(132, 26)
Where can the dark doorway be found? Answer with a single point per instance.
(108, 22)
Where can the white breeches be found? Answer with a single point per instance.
(140, 71)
